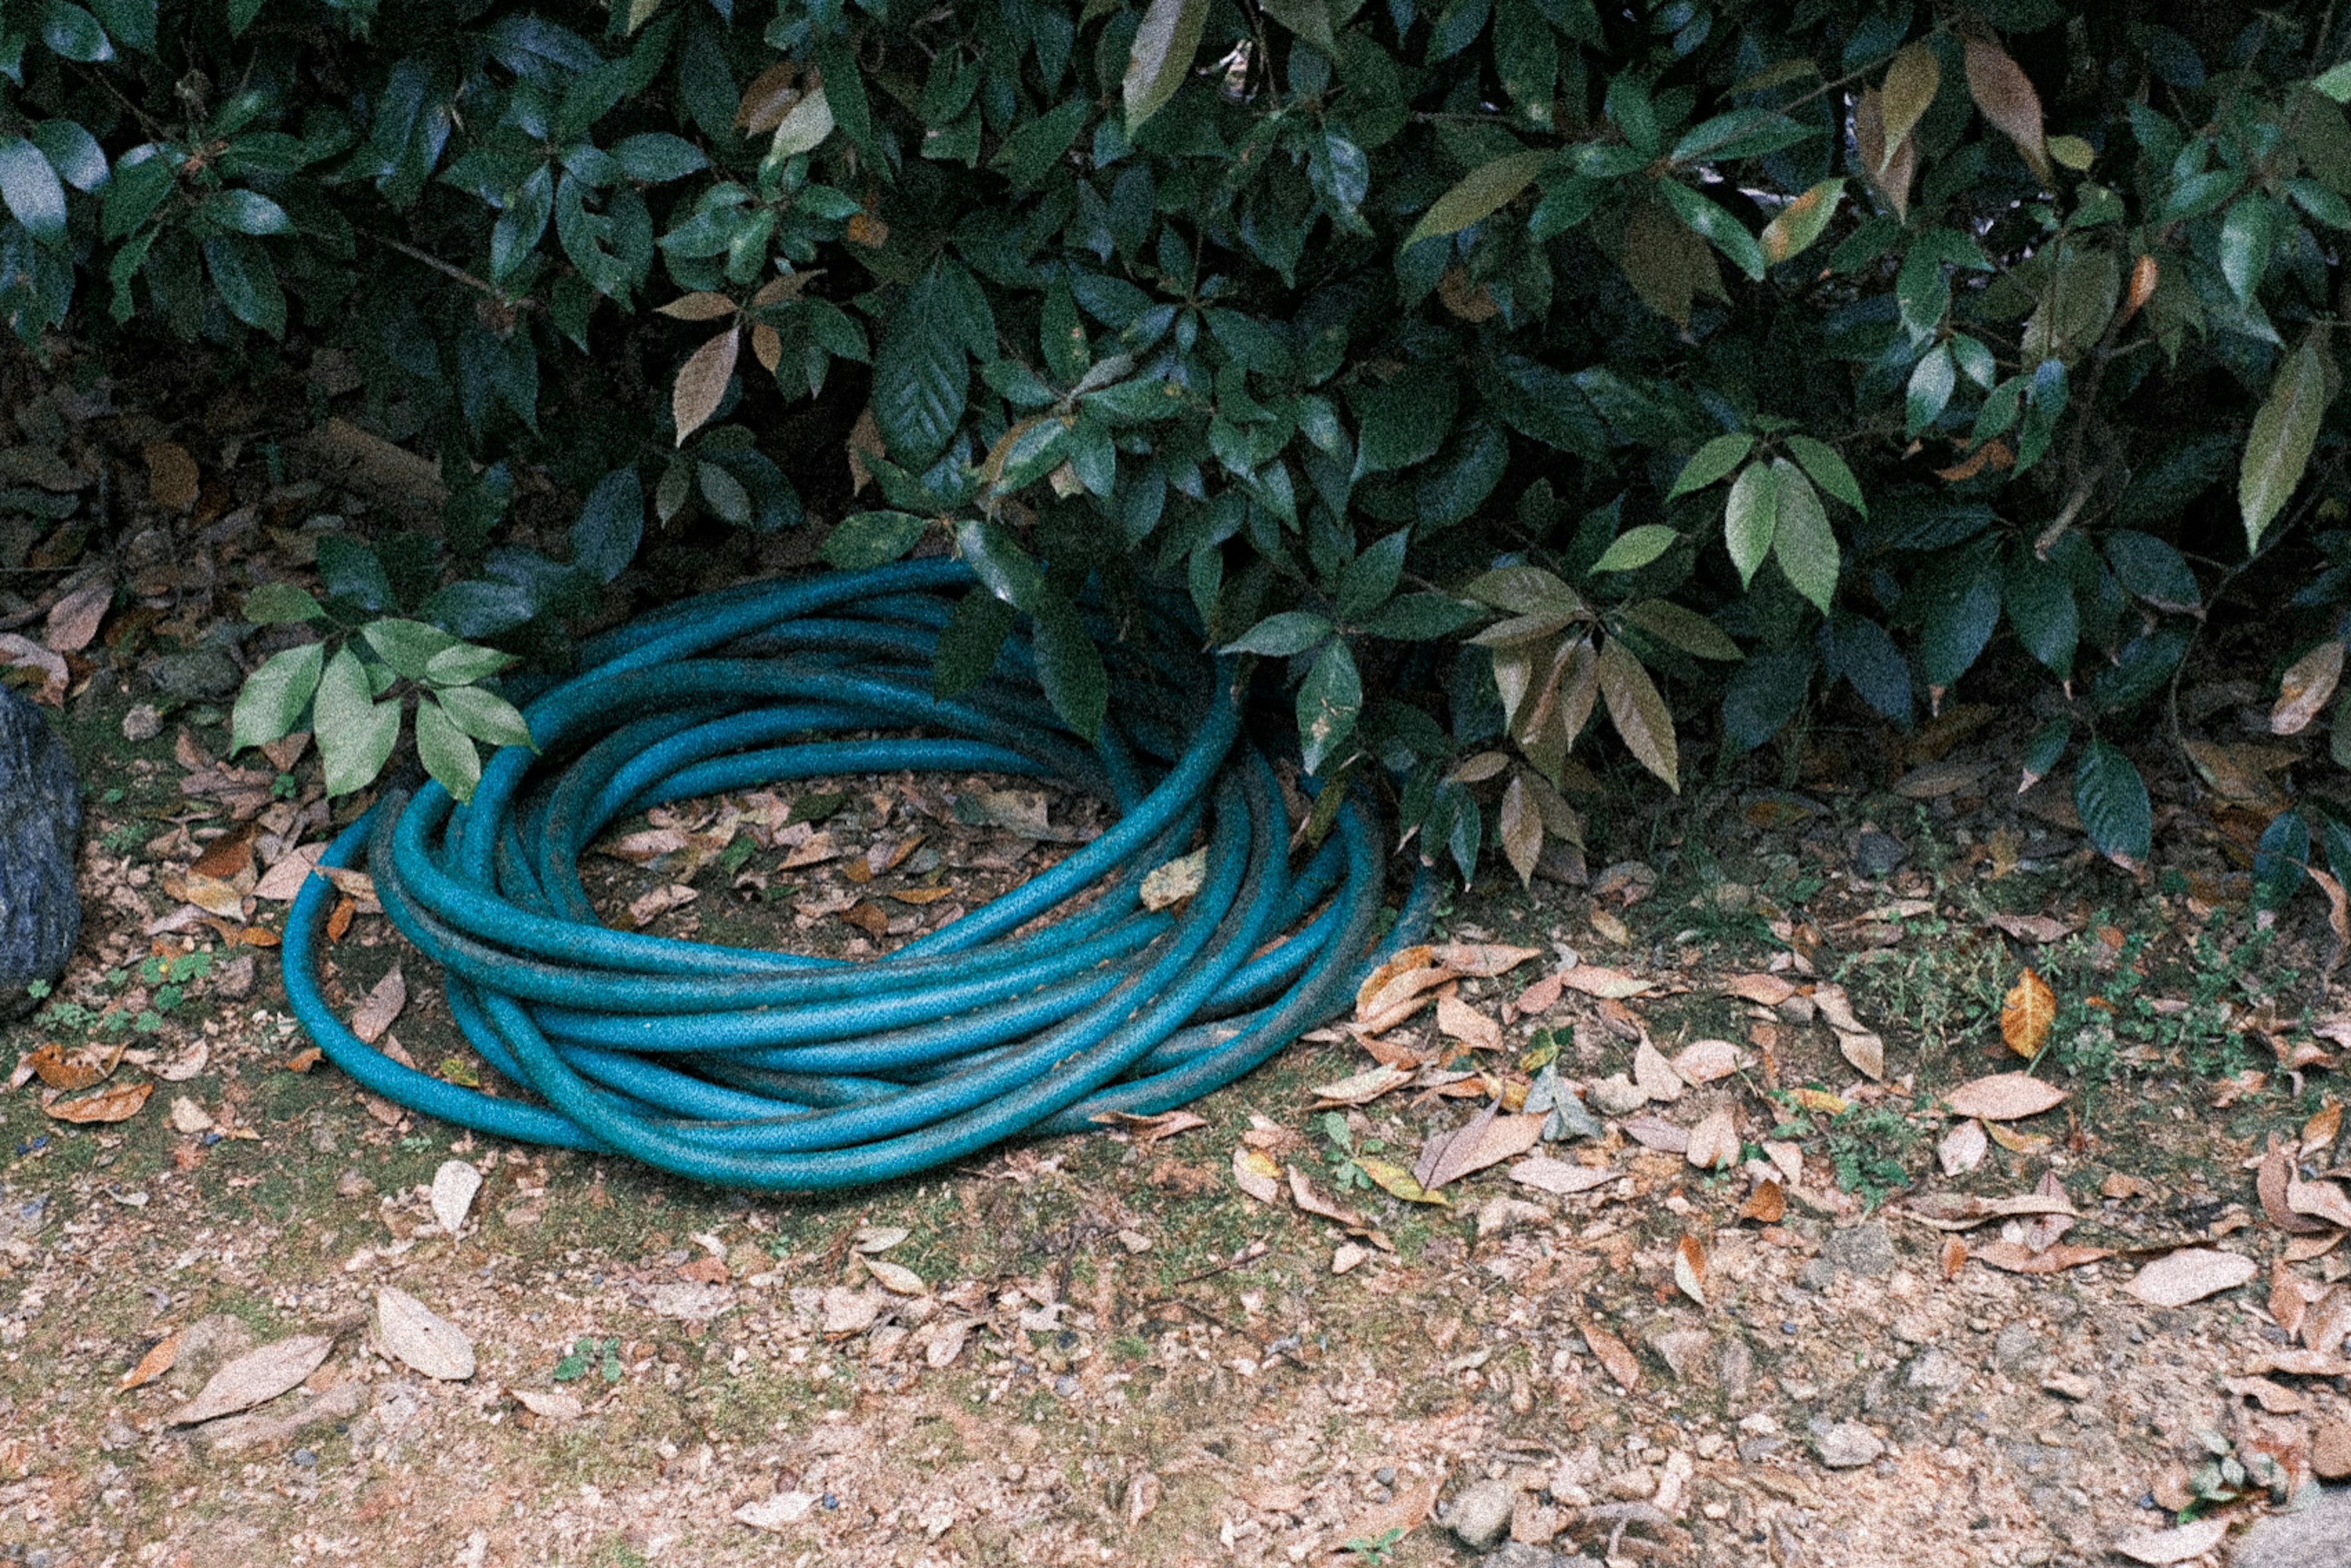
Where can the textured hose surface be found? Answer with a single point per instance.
(1039, 1012)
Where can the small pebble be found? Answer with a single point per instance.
(305, 1458)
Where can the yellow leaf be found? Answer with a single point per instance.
(2007, 96)
(702, 382)
(2025, 1015)
(1256, 1174)
(1397, 1182)
(704, 306)
(1909, 91)
(2307, 684)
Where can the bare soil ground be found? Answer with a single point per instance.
(1105, 1348)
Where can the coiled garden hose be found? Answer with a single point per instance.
(1041, 1012)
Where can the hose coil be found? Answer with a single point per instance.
(1039, 1012)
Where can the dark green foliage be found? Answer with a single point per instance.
(1700, 359)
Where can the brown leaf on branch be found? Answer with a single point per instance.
(702, 382)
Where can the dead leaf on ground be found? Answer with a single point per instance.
(412, 1333)
(1656, 1075)
(2026, 1014)
(1149, 1130)
(1313, 1198)
(2191, 1274)
(1954, 1256)
(382, 1006)
(1482, 959)
(1765, 990)
(1255, 1172)
(1689, 1268)
(2301, 1363)
(453, 1187)
(1959, 1211)
(2307, 684)
(1962, 1148)
(1714, 1142)
(551, 1404)
(24, 653)
(2016, 1258)
(1406, 1511)
(1488, 1138)
(1705, 1060)
(1399, 989)
(2319, 1132)
(2180, 1544)
(115, 1103)
(1862, 1047)
(1142, 1497)
(173, 481)
(2003, 1097)
(1458, 1020)
(1548, 1175)
(83, 1066)
(1767, 1204)
(897, 1278)
(1397, 1182)
(2043, 928)
(73, 621)
(1657, 1133)
(2273, 1397)
(1362, 1088)
(254, 1377)
(2323, 1201)
(1615, 1357)
(159, 1360)
(1610, 985)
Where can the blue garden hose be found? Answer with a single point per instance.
(1042, 1011)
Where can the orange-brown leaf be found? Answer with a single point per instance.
(702, 382)
(2027, 1013)
(2008, 99)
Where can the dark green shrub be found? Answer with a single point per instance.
(1686, 357)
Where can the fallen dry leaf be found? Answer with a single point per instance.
(173, 481)
(550, 1404)
(253, 1378)
(2018, 1259)
(1149, 1130)
(1962, 1148)
(2191, 1274)
(1615, 1357)
(2323, 1201)
(83, 1066)
(1657, 1133)
(1954, 1256)
(1765, 990)
(2180, 1544)
(1958, 1211)
(115, 1103)
(897, 1278)
(1483, 959)
(2288, 1303)
(1397, 1182)
(1547, 1175)
(1656, 1075)
(1705, 1060)
(382, 1006)
(2319, 1132)
(2302, 1363)
(2276, 1176)
(2026, 1014)
(1361, 1089)
(2273, 1397)
(2003, 1097)
(1142, 1497)
(73, 621)
(1861, 1047)
(1610, 985)
(779, 1512)
(2033, 927)
(1689, 1270)
(869, 1240)
(1458, 1020)
(159, 1360)
(1768, 1204)
(1255, 1172)
(1714, 1142)
(1488, 1138)
(412, 1333)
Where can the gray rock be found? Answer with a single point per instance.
(1939, 1371)
(1876, 852)
(40, 829)
(2318, 1536)
(1866, 1249)
(201, 675)
(1849, 1445)
(1736, 1367)
(2015, 1346)
(1481, 1514)
(1518, 1554)
(1682, 1350)
(1618, 1095)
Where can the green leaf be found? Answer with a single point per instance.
(1372, 577)
(281, 604)
(1161, 57)
(921, 373)
(969, 642)
(486, 715)
(1404, 422)
(241, 270)
(408, 646)
(74, 33)
(1683, 628)
(605, 537)
(1329, 700)
(2153, 569)
(130, 23)
(2043, 752)
(1711, 462)
(1932, 380)
(871, 538)
(1750, 518)
(657, 157)
(1800, 224)
(1636, 548)
(1283, 634)
(1717, 226)
(73, 153)
(2247, 236)
(465, 664)
(1961, 609)
(1069, 668)
(1035, 147)
(241, 13)
(2284, 432)
(1004, 568)
(248, 213)
(1419, 617)
(34, 195)
(1480, 193)
(355, 733)
(446, 752)
(273, 698)
(2040, 606)
(1801, 540)
(2336, 83)
(2111, 801)
(1828, 470)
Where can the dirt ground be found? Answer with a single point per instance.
(1861, 1329)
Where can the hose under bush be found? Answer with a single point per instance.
(1039, 1012)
